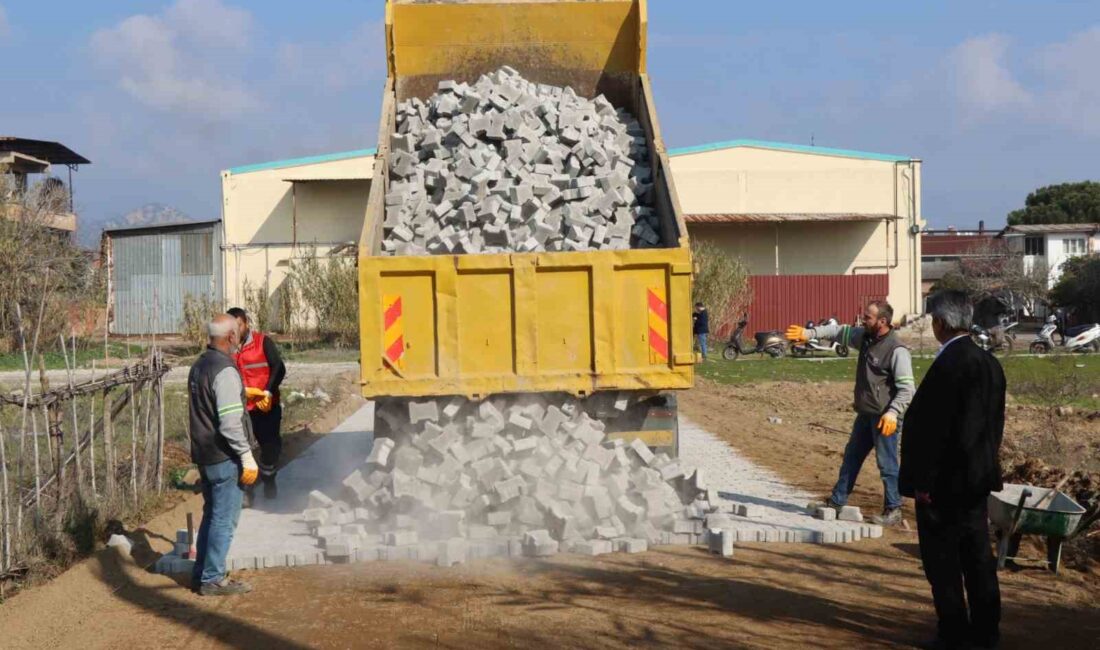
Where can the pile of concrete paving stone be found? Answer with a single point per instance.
(507, 165)
(455, 479)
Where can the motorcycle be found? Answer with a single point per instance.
(1044, 342)
(807, 348)
(770, 343)
(1083, 338)
(999, 338)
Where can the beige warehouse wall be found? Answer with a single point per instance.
(268, 220)
(750, 180)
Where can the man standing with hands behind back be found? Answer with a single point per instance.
(949, 465)
(262, 370)
(884, 388)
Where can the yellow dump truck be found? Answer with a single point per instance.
(571, 322)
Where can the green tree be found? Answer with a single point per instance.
(1064, 203)
(1078, 288)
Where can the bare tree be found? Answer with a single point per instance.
(989, 268)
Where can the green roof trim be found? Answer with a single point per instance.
(783, 146)
(296, 162)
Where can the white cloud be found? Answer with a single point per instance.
(5, 26)
(174, 61)
(983, 82)
(1071, 81)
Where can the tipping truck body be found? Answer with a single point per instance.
(544, 322)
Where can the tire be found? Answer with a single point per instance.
(1038, 347)
(775, 351)
(798, 351)
(842, 351)
(729, 353)
(1005, 347)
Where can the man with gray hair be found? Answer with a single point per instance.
(221, 445)
(949, 465)
(884, 388)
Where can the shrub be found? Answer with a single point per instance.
(721, 283)
(329, 292)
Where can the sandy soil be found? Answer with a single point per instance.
(869, 594)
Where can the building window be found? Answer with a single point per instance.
(1073, 247)
(1034, 246)
(197, 253)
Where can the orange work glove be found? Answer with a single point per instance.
(265, 403)
(250, 471)
(254, 393)
(888, 424)
(797, 333)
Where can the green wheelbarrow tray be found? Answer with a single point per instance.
(1016, 511)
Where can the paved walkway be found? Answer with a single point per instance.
(272, 533)
(782, 507)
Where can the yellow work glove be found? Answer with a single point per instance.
(250, 471)
(888, 424)
(254, 393)
(797, 333)
(265, 403)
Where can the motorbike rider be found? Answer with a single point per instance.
(884, 388)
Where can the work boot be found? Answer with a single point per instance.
(889, 517)
(247, 497)
(226, 587)
(826, 503)
(271, 490)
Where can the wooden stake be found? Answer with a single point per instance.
(133, 443)
(91, 435)
(69, 370)
(160, 434)
(5, 513)
(37, 467)
(109, 443)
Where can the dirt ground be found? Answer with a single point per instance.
(868, 594)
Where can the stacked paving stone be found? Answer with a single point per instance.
(507, 165)
(453, 480)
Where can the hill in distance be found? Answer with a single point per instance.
(150, 214)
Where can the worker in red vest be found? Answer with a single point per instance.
(262, 370)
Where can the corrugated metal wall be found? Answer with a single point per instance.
(153, 271)
(782, 300)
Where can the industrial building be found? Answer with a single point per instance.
(276, 211)
(151, 271)
(821, 230)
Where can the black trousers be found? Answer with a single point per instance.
(955, 550)
(266, 428)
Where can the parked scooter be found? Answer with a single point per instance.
(810, 346)
(1083, 338)
(770, 343)
(997, 339)
(1044, 342)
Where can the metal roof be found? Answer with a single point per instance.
(326, 180)
(1040, 228)
(160, 227)
(54, 153)
(770, 217)
(933, 245)
(297, 162)
(795, 148)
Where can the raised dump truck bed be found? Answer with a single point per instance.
(574, 322)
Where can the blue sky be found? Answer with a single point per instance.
(996, 97)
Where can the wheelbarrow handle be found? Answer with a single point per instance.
(1019, 511)
(1091, 517)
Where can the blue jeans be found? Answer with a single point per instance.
(221, 508)
(865, 436)
(701, 341)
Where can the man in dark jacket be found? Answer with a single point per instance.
(949, 465)
(700, 327)
(221, 445)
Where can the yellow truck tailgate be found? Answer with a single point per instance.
(575, 322)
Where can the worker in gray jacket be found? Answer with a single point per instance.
(884, 389)
(221, 445)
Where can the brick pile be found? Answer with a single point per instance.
(507, 165)
(455, 479)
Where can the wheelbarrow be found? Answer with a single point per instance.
(1020, 510)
